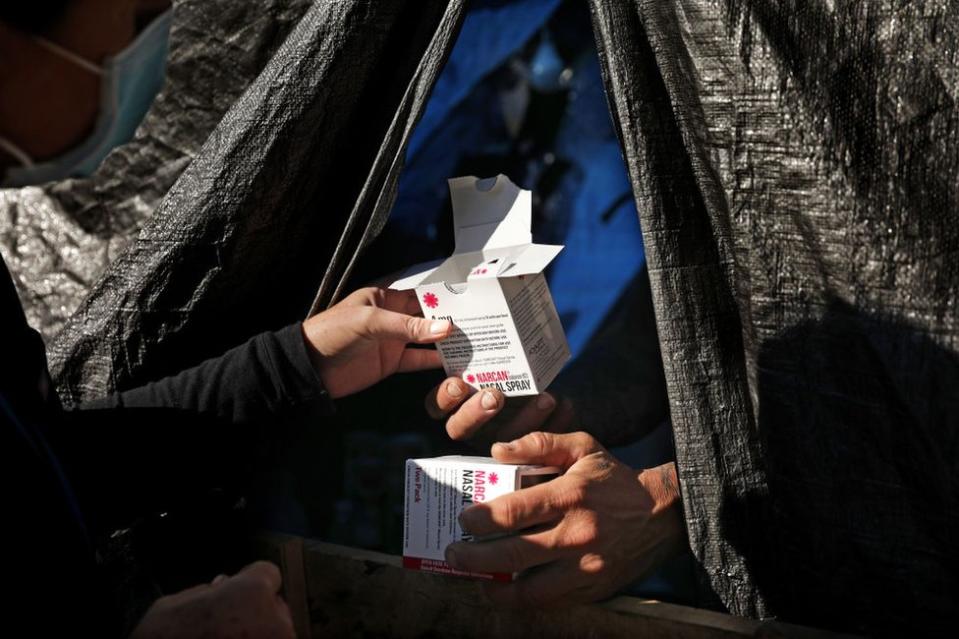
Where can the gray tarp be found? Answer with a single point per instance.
(59, 239)
(795, 168)
(285, 189)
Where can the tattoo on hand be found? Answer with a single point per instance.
(604, 463)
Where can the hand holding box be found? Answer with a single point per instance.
(439, 489)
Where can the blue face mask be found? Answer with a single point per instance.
(129, 82)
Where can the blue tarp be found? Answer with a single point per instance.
(590, 209)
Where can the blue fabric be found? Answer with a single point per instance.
(591, 210)
(604, 246)
(131, 79)
(491, 33)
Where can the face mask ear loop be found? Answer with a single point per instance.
(68, 55)
(16, 152)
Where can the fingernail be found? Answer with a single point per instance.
(454, 390)
(451, 557)
(488, 400)
(218, 579)
(438, 327)
(545, 402)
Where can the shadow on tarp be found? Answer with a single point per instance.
(858, 529)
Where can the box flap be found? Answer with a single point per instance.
(531, 259)
(508, 262)
(491, 220)
(416, 275)
(490, 213)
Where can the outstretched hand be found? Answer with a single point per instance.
(366, 337)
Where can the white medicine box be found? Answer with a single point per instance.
(438, 489)
(507, 333)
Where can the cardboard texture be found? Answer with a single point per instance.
(507, 334)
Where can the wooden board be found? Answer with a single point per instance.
(347, 592)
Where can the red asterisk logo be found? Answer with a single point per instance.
(493, 478)
(471, 378)
(431, 300)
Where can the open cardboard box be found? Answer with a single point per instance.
(507, 334)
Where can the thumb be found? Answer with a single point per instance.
(550, 449)
(392, 325)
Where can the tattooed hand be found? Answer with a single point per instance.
(580, 537)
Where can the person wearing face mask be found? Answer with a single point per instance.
(77, 77)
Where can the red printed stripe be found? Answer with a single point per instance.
(440, 567)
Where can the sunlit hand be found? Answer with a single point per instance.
(244, 605)
(486, 416)
(365, 338)
(580, 537)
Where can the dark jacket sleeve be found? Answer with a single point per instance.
(148, 448)
(268, 375)
(72, 477)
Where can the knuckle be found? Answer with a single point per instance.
(592, 564)
(370, 294)
(590, 526)
(412, 326)
(551, 542)
(574, 496)
(602, 463)
(505, 513)
(585, 442)
(362, 322)
(540, 442)
(583, 531)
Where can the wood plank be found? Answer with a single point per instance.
(286, 551)
(359, 593)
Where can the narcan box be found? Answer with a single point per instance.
(506, 331)
(438, 489)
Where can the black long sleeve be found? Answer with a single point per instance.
(267, 376)
(147, 448)
(72, 477)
